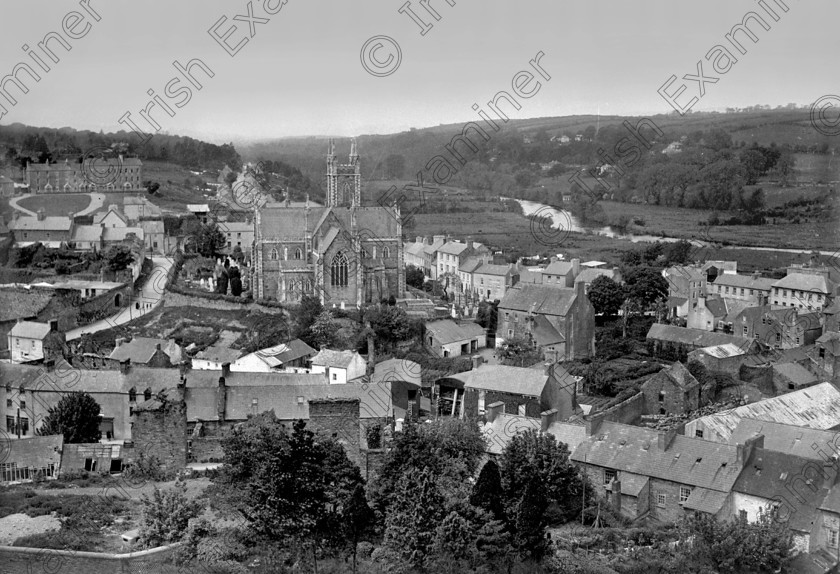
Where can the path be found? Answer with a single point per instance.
(151, 294)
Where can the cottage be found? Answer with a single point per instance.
(29, 341)
(292, 356)
(673, 390)
(145, 351)
(561, 273)
(826, 355)
(446, 338)
(52, 231)
(685, 282)
(213, 357)
(339, 367)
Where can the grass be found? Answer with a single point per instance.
(56, 204)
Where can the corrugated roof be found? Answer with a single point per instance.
(447, 331)
(723, 351)
(688, 461)
(502, 378)
(30, 330)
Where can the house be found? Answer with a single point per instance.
(452, 254)
(659, 474)
(155, 236)
(587, 276)
(500, 427)
(213, 357)
(523, 391)
(292, 356)
(28, 459)
(726, 358)
(691, 339)
(713, 269)
(238, 234)
(561, 273)
(751, 288)
(446, 338)
(808, 443)
(431, 252)
(706, 314)
(339, 367)
(826, 355)
(87, 238)
(816, 407)
(778, 328)
(685, 281)
(487, 281)
(74, 177)
(112, 216)
(792, 485)
(201, 211)
(148, 352)
(560, 321)
(673, 390)
(7, 187)
(792, 377)
(415, 255)
(804, 291)
(29, 341)
(52, 231)
(827, 520)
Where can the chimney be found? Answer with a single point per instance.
(439, 238)
(371, 358)
(125, 366)
(50, 365)
(221, 405)
(419, 239)
(40, 214)
(225, 372)
(54, 325)
(493, 411)
(470, 242)
(183, 367)
(830, 470)
(548, 369)
(744, 451)
(575, 267)
(477, 361)
(580, 289)
(756, 275)
(616, 496)
(157, 346)
(664, 438)
(547, 418)
(593, 423)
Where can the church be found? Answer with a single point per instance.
(345, 254)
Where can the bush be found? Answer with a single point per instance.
(166, 515)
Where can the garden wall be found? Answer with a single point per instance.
(173, 299)
(626, 412)
(39, 561)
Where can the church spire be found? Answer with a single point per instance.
(354, 156)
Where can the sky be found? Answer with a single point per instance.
(302, 73)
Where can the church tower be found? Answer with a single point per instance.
(344, 181)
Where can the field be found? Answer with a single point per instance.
(174, 193)
(56, 204)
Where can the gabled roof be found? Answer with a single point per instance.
(679, 375)
(330, 358)
(447, 331)
(545, 333)
(773, 476)
(558, 268)
(100, 216)
(470, 264)
(795, 440)
(90, 233)
(805, 282)
(453, 248)
(285, 352)
(541, 299)
(695, 337)
(744, 281)
(705, 500)
(433, 248)
(816, 407)
(688, 272)
(30, 330)
(141, 349)
(398, 370)
(515, 380)
(796, 373)
(50, 223)
(492, 269)
(121, 233)
(689, 461)
(219, 354)
(830, 341)
(415, 249)
(23, 303)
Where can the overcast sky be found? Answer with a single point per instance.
(301, 73)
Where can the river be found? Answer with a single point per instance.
(565, 221)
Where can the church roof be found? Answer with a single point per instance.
(289, 222)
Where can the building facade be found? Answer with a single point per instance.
(93, 174)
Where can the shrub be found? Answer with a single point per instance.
(166, 515)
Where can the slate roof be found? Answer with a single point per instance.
(21, 303)
(49, 223)
(290, 222)
(505, 379)
(285, 352)
(330, 358)
(744, 281)
(816, 407)
(705, 500)
(804, 282)
(545, 333)
(689, 272)
(558, 268)
(396, 370)
(589, 275)
(219, 354)
(453, 248)
(796, 440)
(67, 378)
(30, 330)
(99, 216)
(832, 501)
(415, 249)
(679, 375)
(722, 351)
(492, 269)
(695, 337)
(433, 248)
(831, 341)
(87, 233)
(795, 373)
(689, 461)
(717, 306)
(770, 475)
(34, 452)
(447, 331)
(543, 300)
(141, 349)
(632, 484)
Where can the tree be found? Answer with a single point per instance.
(412, 522)
(531, 539)
(76, 416)
(237, 255)
(487, 492)
(235, 281)
(304, 315)
(390, 324)
(414, 277)
(324, 330)
(166, 515)
(606, 295)
(358, 520)
(487, 315)
(519, 351)
(207, 239)
(151, 186)
(646, 285)
(118, 258)
(677, 253)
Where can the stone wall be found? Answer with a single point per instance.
(628, 412)
(337, 418)
(179, 300)
(533, 406)
(371, 462)
(162, 432)
(39, 561)
(203, 449)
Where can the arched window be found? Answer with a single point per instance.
(285, 254)
(374, 251)
(273, 255)
(298, 254)
(132, 395)
(339, 270)
(386, 253)
(67, 188)
(147, 394)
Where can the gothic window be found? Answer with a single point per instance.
(273, 256)
(285, 254)
(147, 394)
(339, 270)
(385, 253)
(298, 254)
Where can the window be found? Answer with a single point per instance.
(698, 433)
(661, 396)
(822, 353)
(386, 253)
(685, 492)
(339, 270)
(661, 499)
(609, 476)
(147, 394)
(24, 425)
(778, 337)
(10, 425)
(832, 538)
(797, 340)
(274, 255)
(22, 404)
(8, 403)
(742, 290)
(334, 377)
(745, 329)
(298, 254)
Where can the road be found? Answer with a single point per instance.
(151, 294)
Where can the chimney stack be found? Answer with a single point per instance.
(419, 239)
(40, 214)
(547, 418)
(575, 267)
(225, 372)
(125, 366)
(50, 365)
(664, 438)
(118, 342)
(493, 411)
(744, 451)
(221, 405)
(593, 423)
(477, 361)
